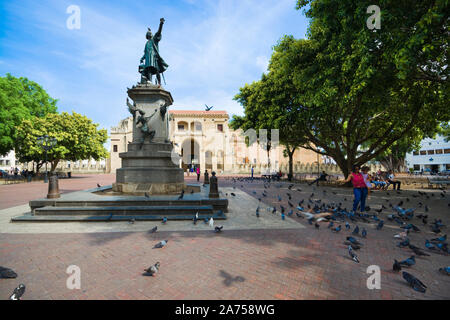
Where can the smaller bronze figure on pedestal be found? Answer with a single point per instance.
(206, 179)
(213, 187)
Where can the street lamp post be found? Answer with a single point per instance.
(46, 143)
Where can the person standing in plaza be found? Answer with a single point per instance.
(359, 188)
(197, 170)
(252, 172)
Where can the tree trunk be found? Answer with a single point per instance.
(54, 164)
(291, 164)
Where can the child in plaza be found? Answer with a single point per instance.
(367, 178)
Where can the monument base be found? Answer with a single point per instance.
(150, 188)
(149, 169)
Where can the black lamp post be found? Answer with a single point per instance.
(46, 143)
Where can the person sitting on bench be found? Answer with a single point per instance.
(391, 180)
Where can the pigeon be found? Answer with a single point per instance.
(415, 283)
(347, 225)
(164, 220)
(207, 108)
(131, 221)
(317, 225)
(396, 267)
(233, 194)
(356, 231)
(161, 244)
(146, 195)
(364, 233)
(153, 230)
(354, 246)
(408, 262)
(218, 229)
(445, 271)
(352, 254)
(380, 225)
(109, 217)
(440, 239)
(330, 224)
(429, 245)
(257, 212)
(337, 229)
(7, 273)
(418, 251)
(153, 269)
(18, 292)
(181, 195)
(211, 222)
(404, 243)
(98, 185)
(353, 240)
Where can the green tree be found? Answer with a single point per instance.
(445, 131)
(394, 157)
(20, 99)
(77, 138)
(269, 104)
(361, 90)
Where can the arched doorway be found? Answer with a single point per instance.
(190, 154)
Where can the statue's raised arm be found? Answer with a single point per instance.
(158, 33)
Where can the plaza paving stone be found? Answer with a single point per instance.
(249, 260)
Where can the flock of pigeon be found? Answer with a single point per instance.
(337, 217)
(317, 211)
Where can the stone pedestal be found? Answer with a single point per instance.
(150, 166)
(53, 187)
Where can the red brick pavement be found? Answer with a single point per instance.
(12, 195)
(274, 264)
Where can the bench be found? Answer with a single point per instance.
(441, 181)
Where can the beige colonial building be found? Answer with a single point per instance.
(203, 138)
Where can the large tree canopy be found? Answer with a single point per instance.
(77, 138)
(358, 91)
(20, 99)
(269, 104)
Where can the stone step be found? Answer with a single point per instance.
(105, 218)
(126, 210)
(217, 204)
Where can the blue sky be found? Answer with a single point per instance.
(212, 48)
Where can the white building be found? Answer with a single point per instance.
(8, 161)
(433, 156)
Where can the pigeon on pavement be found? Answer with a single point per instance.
(7, 273)
(415, 283)
(161, 244)
(153, 269)
(18, 292)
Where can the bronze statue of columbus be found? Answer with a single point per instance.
(151, 62)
